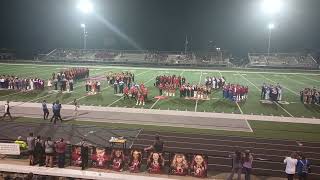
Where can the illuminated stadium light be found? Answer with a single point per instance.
(271, 26)
(85, 6)
(83, 25)
(271, 7)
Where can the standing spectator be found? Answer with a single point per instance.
(237, 161)
(247, 164)
(61, 150)
(157, 145)
(303, 167)
(31, 145)
(49, 150)
(291, 163)
(7, 111)
(84, 154)
(45, 110)
(39, 151)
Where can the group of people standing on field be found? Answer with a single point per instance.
(298, 164)
(168, 84)
(235, 92)
(271, 92)
(12, 82)
(64, 80)
(214, 83)
(310, 96)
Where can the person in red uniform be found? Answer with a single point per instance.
(126, 93)
(117, 160)
(155, 163)
(135, 161)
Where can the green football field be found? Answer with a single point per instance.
(291, 81)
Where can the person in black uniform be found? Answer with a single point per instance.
(84, 154)
(157, 145)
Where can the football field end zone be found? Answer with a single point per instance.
(75, 173)
(253, 71)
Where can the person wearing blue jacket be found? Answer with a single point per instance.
(303, 167)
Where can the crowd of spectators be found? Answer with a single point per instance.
(271, 92)
(21, 83)
(310, 96)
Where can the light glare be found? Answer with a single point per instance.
(271, 7)
(83, 25)
(85, 6)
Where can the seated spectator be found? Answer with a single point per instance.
(157, 145)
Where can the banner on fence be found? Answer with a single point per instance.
(9, 149)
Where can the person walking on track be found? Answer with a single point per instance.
(45, 110)
(76, 107)
(7, 111)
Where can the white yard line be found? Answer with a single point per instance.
(239, 108)
(196, 106)
(249, 82)
(155, 103)
(309, 79)
(283, 109)
(302, 83)
(259, 90)
(220, 74)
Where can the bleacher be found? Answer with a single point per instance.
(133, 57)
(282, 60)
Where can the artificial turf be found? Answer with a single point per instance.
(292, 82)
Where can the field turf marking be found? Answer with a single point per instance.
(239, 108)
(290, 79)
(283, 109)
(249, 81)
(196, 106)
(281, 85)
(79, 84)
(123, 96)
(164, 99)
(220, 74)
(105, 88)
(259, 90)
(175, 69)
(309, 78)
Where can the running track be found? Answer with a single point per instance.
(268, 154)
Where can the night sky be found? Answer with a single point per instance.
(238, 26)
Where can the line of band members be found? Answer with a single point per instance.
(133, 160)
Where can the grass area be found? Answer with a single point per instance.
(292, 84)
(262, 129)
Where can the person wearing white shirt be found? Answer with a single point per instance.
(291, 163)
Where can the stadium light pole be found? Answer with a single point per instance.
(270, 27)
(83, 26)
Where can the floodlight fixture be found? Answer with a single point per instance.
(83, 25)
(271, 7)
(85, 6)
